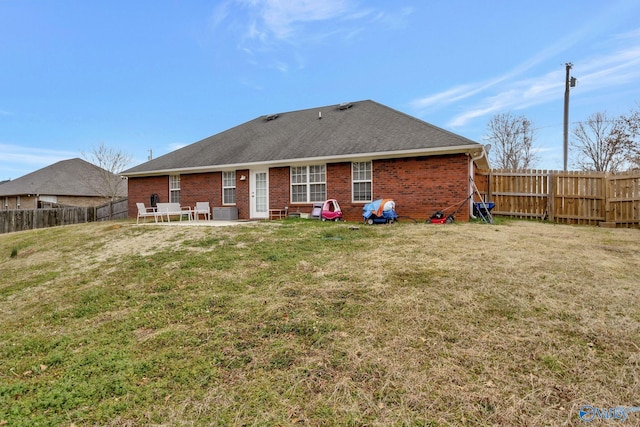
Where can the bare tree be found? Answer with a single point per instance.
(602, 143)
(632, 123)
(111, 162)
(511, 139)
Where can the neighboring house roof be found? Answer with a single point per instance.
(358, 130)
(74, 177)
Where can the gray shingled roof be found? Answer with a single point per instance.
(74, 177)
(365, 128)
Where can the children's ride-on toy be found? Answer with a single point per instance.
(380, 211)
(327, 211)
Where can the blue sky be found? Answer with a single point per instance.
(157, 75)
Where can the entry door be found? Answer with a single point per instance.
(259, 194)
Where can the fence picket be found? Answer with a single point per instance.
(566, 197)
(28, 219)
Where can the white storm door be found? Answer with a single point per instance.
(259, 194)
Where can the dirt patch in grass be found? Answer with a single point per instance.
(310, 323)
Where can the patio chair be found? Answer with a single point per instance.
(202, 208)
(144, 212)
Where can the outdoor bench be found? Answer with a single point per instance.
(173, 209)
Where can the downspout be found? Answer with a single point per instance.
(471, 163)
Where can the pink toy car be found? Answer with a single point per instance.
(327, 211)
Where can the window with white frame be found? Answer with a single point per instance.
(174, 188)
(361, 181)
(229, 188)
(308, 184)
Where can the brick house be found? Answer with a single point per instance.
(354, 152)
(73, 182)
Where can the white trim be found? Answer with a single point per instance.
(473, 150)
(308, 183)
(49, 199)
(254, 213)
(370, 181)
(235, 188)
(172, 189)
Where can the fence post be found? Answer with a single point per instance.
(551, 195)
(607, 200)
(489, 186)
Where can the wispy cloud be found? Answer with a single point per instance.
(176, 146)
(220, 13)
(17, 161)
(514, 96)
(268, 21)
(263, 29)
(453, 95)
(33, 156)
(469, 90)
(493, 102)
(280, 17)
(394, 19)
(617, 68)
(619, 64)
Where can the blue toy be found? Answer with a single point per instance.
(380, 211)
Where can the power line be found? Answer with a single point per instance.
(577, 122)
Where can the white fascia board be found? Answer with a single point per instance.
(472, 149)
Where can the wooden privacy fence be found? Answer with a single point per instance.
(623, 200)
(117, 209)
(28, 219)
(565, 197)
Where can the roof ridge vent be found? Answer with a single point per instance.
(271, 117)
(345, 105)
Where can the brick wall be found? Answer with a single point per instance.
(83, 202)
(339, 188)
(201, 187)
(242, 194)
(141, 189)
(279, 189)
(420, 186)
(31, 202)
(26, 202)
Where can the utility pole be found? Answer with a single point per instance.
(569, 83)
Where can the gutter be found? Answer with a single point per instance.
(461, 149)
(478, 156)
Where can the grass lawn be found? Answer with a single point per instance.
(299, 322)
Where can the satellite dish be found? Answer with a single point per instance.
(487, 147)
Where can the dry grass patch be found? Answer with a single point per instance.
(310, 323)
